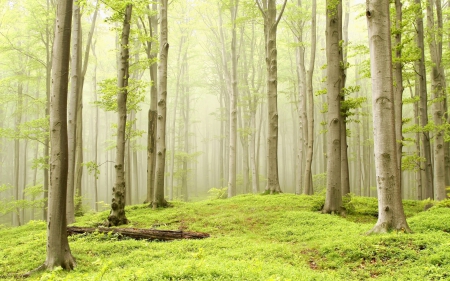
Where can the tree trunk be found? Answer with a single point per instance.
(427, 176)
(162, 102)
(184, 180)
(308, 186)
(390, 208)
(17, 150)
(95, 152)
(233, 105)
(398, 86)
(75, 70)
(117, 215)
(152, 114)
(58, 250)
(271, 21)
(437, 82)
(333, 199)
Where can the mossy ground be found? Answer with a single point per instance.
(253, 237)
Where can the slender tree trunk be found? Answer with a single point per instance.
(58, 250)
(302, 117)
(343, 29)
(117, 215)
(418, 173)
(152, 112)
(398, 86)
(184, 180)
(95, 152)
(333, 199)
(233, 106)
(162, 101)
(75, 71)
(438, 95)
(308, 187)
(390, 208)
(427, 174)
(17, 150)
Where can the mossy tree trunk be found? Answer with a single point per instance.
(117, 215)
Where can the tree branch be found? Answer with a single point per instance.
(281, 13)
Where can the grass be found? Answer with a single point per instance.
(253, 237)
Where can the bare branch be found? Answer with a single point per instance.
(281, 13)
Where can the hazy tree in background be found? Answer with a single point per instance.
(333, 200)
(426, 168)
(390, 208)
(438, 91)
(269, 12)
(308, 186)
(159, 200)
(398, 85)
(58, 250)
(233, 103)
(117, 215)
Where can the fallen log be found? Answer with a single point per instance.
(140, 233)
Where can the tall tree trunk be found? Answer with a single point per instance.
(162, 102)
(58, 250)
(437, 82)
(152, 113)
(308, 187)
(427, 174)
(117, 215)
(390, 208)
(343, 29)
(75, 70)
(95, 152)
(302, 116)
(269, 12)
(17, 149)
(398, 86)
(233, 105)
(333, 199)
(418, 172)
(184, 180)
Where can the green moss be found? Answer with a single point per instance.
(253, 237)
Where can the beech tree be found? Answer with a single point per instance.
(58, 250)
(390, 208)
(117, 215)
(159, 200)
(269, 12)
(333, 199)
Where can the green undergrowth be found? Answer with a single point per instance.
(253, 237)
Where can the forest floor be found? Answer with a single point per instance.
(253, 237)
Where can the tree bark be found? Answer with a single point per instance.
(269, 12)
(138, 234)
(159, 200)
(333, 199)
(152, 112)
(438, 95)
(233, 105)
(117, 215)
(308, 186)
(390, 208)
(427, 170)
(398, 85)
(75, 70)
(58, 250)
